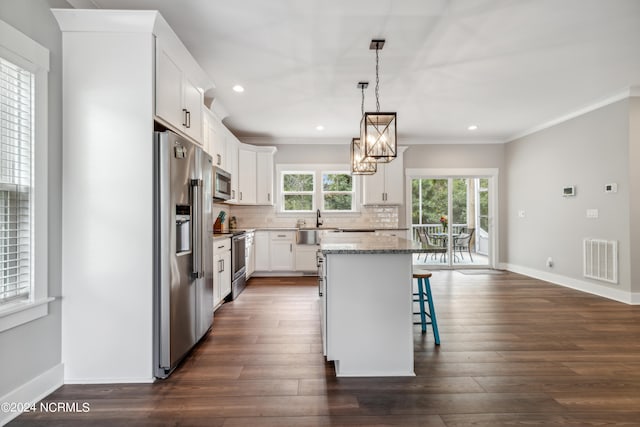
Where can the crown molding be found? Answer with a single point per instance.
(627, 93)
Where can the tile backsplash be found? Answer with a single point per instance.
(266, 216)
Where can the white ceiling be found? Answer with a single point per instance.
(507, 66)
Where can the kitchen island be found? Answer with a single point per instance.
(366, 293)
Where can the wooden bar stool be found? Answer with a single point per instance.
(424, 294)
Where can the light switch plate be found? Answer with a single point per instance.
(592, 213)
(521, 214)
(611, 188)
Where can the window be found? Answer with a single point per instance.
(298, 189)
(24, 67)
(337, 191)
(16, 145)
(305, 188)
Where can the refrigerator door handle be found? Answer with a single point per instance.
(196, 207)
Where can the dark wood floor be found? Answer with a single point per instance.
(515, 351)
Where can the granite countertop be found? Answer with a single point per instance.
(220, 236)
(275, 229)
(329, 228)
(339, 243)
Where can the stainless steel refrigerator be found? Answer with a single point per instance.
(183, 249)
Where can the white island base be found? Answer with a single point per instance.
(367, 313)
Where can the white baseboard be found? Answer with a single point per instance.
(580, 285)
(33, 391)
(109, 380)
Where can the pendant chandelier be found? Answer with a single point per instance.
(378, 130)
(359, 164)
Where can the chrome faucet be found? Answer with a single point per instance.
(318, 219)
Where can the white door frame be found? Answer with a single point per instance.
(445, 173)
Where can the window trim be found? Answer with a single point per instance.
(318, 199)
(16, 47)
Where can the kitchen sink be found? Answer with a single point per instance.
(311, 236)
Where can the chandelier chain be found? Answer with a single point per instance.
(377, 81)
(362, 103)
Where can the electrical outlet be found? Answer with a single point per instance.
(592, 213)
(549, 262)
(521, 214)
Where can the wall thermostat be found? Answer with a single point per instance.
(611, 188)
(569, 191)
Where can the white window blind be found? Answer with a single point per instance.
(16, 146)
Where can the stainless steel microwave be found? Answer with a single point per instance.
(222, 184)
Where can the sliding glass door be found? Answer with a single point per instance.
(451, 216)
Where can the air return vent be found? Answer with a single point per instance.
(601, 259)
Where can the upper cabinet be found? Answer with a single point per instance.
(265, 178)
(247, 179)
(231, 148)
(179, 101)
(255, 184)
(213, 135)
(386, 186)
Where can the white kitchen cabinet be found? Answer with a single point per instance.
(281, 250)
(218, 145)
(178, 100)
(262, 250)
(213, 135)
(275, 250)
(386, 186)
(168, 89)
(264, 176)
(221, 270)
(255, 184)
(247, 178)
(232, 143)
(306, 257)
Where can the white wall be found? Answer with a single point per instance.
(32, 349)
(588, 151)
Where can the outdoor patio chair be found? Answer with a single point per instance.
(462, 243)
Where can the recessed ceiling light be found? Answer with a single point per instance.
(319, 127)
(473, 127)
(238, 88)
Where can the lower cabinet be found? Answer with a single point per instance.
(281, 250)
(261, 240)
(306, 257)
(221, 270)
(275, 250)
